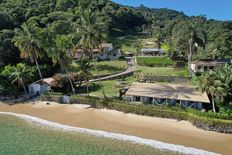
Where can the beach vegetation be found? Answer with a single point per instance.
(218, 85)
(27, 40)
(19, 75)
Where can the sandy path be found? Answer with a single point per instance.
(166, 130)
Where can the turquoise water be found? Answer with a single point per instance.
(20, 137)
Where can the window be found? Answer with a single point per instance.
(205, 68)
(210, 67)
(198, 67)
(137, 99)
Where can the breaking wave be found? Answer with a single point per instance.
(133, 139)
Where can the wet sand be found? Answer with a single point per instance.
(165, 130)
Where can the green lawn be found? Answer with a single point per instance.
(154, 61)
(21, 138)
(111, 87)
(105, 67)
(164, 71)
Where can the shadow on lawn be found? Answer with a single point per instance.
(94, 87)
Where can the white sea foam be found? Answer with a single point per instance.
(116, 136)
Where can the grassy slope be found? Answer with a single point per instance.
(21, 138)
(129, 42)
(154, 61)
(105, 67)
(164, 71)
(111, 87)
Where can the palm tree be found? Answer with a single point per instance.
(29, 45)
(60, 53)
(85, 65)
(158, 39)
(210, 84)
(19, 74)
(194, 41)
(224, 74)
(91, 37)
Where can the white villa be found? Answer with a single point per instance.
(171, 94)
(201, 66)
(104, 52)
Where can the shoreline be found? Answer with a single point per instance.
(127, 138)
(160, 129)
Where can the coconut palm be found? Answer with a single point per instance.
(90, 37)
(210, 84)
(194, 41)
(158, 39)
(224, 74)
(60, 53)
(19, 74)
(84, 67)
(29, 45)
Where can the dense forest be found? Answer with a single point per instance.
(63, 17)
(55, 27)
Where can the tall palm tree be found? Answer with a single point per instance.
(60, 53)
(158, 39)
(210, 84)
(85, 65)
(19, 74)
(29, 45)
(224, 74)
(194, 41)
(91, 37)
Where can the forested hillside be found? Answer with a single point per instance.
(63, 17)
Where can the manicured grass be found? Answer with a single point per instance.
(104, 67)
(164, 71)
(154, 61)
(111, 87)
(19, 137)
(109, 67)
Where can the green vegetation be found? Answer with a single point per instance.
(154, 61)
(23, 138)
(111, 87)
(218, 84)
(104, 67)
(110, 67)
(164, 71)
(19, 74)
(131, 43)
(49, 33)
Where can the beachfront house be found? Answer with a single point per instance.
(151, 52)
(201, 66)
(171, 94)
(104, 52)
(37, 88)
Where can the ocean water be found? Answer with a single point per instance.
(22, 134)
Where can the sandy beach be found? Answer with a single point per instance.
(165, 130)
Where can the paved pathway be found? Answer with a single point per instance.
(130, 69)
